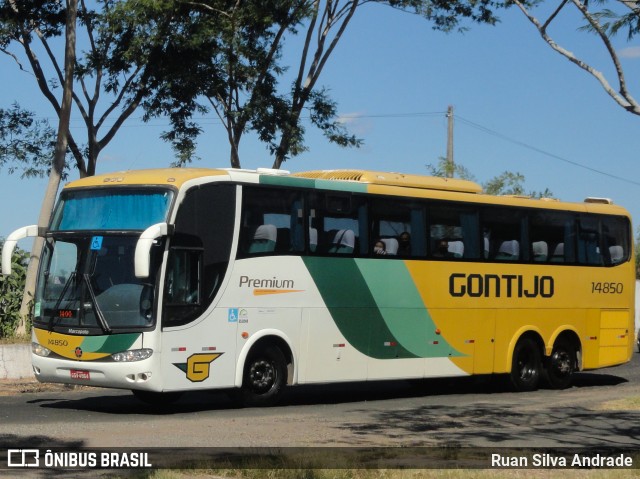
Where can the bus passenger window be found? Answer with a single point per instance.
(272, 222)
(503, 227)
(454, 232)
(401, 225)
(335, 224)
(614, 233)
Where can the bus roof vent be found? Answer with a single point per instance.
(394, 179)
(602, 201)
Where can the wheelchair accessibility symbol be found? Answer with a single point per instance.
(96, 243)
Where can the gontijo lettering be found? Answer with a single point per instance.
(497, 286)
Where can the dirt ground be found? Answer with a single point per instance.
(9, 387)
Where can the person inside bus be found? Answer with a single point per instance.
(380, 248)
(404, 248)
(442, 249)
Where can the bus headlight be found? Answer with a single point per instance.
(132, 355)
(40, 350)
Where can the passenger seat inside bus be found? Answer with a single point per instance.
(616, 253)
(343, 242)
(456, 249)
(508, 251)
(558, 254)
(264, 239)
(390, 246)
(540, 251)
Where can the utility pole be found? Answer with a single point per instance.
(450, 164)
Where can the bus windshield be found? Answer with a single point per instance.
(88, 282)
(111, 209)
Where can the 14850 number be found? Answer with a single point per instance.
(607, 288)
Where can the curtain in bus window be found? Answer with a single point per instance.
(589, 251)
(122, 211)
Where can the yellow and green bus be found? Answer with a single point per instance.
(170, 280)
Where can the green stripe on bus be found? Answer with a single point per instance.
(294, 181)
(402, 308)
(291, 181)
(109, 344)
(350, 302)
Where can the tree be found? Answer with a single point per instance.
(444, 169)
(57, 164)
(506, 183)
(25, 142)
(605, 19)
(230, 63)
(28, 31)
(11, 289)
(509, 183)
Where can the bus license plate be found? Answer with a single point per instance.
(79, 374)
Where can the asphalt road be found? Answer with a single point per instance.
(464, 412)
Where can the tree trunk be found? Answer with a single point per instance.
(57, 165)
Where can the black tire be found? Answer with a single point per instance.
(155, 398)
(264, 378)
(526, 366)
(560, 366)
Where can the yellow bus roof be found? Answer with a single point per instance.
(375, 182)
(394, 179)
(160, 176)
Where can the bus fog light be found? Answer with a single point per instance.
(132, 355)
(40, 350)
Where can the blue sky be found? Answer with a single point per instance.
(519, 106)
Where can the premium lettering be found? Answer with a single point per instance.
(273, 283)
(501, 286)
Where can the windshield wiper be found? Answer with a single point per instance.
(96, 307)
(52, 323)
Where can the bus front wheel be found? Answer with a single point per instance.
(265, 376)
(526, 365)
(560, 365)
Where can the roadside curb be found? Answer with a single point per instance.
(15, 361)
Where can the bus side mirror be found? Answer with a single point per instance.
(143, 248)
(10, 245)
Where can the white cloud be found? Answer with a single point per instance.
(630, 52)
(357, 123)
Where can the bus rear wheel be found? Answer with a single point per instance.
(265, 376)
(526, 366)
(561, 365)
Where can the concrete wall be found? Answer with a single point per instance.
(15, 361)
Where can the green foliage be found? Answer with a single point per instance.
(508, 183)
(11, 290)
(227, 57)
(444, 169)
(26, 144)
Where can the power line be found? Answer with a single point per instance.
(477, 126)
(541, 151)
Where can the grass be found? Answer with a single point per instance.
(394, 474)
(631, 403)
